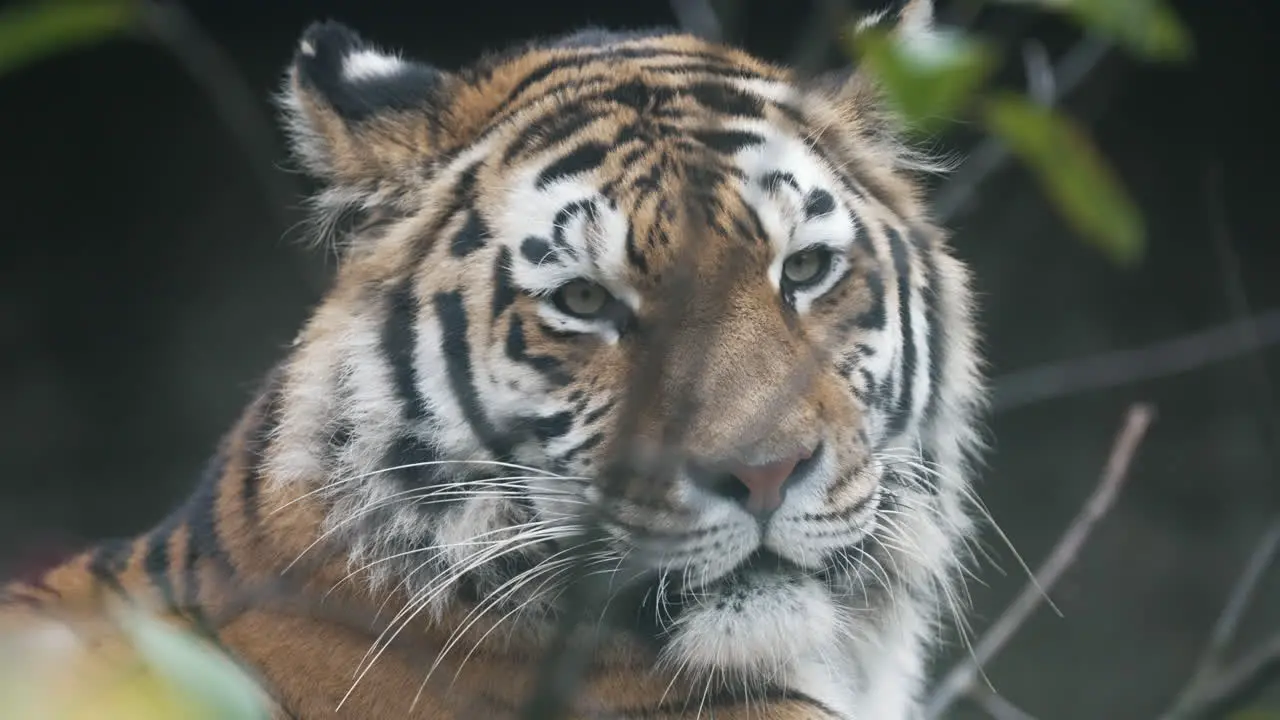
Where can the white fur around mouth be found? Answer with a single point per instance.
(756, 622)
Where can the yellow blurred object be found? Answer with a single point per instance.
(127, 667)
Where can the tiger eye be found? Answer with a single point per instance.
(583, 298)
(805, 266)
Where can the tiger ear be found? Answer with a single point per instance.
(358, 116)
(911, 17)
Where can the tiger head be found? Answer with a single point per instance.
(649, 276)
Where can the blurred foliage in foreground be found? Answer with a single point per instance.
(147, 670)
(937, 77)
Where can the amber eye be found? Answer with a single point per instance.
(805, 268)
(583, 299)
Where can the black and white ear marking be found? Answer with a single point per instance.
(356, 79)
(912, 17)
(363, 121)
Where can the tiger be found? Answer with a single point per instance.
(634, 311)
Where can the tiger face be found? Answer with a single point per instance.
(656, 278)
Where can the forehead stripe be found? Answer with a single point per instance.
(694, 60)
(583, 158)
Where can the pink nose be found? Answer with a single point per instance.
(764, 482)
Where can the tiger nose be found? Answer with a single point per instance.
(764, 483)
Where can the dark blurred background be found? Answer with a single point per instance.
(149, 277)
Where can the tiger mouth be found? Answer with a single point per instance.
(762, 565)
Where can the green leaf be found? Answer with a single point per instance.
(1073, 173)
(1149, 28)
(30, 31)
(207, 679)
(928, 77)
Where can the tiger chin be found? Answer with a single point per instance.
(641, 246)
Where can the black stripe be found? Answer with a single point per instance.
(580, 59)
(420, 457)
(256, 449)
(752, 228)
(641, 97)
(726, 99)
(727, 142)
(563, 124)
(452, 316)
(560, 224)
(573, 452)
(907, 370)
(552, 426)
(935, 330)
(399, 340)
(199, 518)
(156, 560)
(634, 255)
(583, 158)
(772, 180)
(876, 316)
(517, 348)
(462, 195)
(599, 412)
(470, 237)
(108, 560)
(602, 88)
(504, 291)
(204, 538)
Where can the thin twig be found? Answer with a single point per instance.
(997, 706)
(1214, 690)
(991, 154)
(961, 678)
(1224, 630)
(1236, 686)
(1120, 367)
(1205, 682)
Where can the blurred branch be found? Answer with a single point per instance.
(960, 680)
(1224, 631)
(1238, 299)
(1215, 683)
(1040, 79)
(1118, 367)
(991, 153)
(1236, 685)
